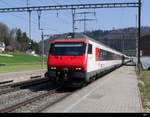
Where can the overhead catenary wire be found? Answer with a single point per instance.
(6, 3)
(110, 5)
(43, 17)
(65, 21)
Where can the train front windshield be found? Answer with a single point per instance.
(68, 49)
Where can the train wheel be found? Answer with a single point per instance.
(83, 84)
(92, 79)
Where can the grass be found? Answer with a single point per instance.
(19, 58)
(20, 62)
(145, 88)
(19, 68)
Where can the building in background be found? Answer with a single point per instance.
(145, 52)
(31, 52)
(145, 45)
(2, 47)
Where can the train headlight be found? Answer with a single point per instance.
(53, 67)
(79, 68)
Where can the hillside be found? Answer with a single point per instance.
(123, 40)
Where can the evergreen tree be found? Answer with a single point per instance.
(19, 35)
(25, 41)
(4, 34)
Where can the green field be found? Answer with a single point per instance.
(20, 62)
(19, 58)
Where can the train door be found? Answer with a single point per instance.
(90, 58)
(123, 60)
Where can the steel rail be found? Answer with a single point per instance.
(4, 82)
(25, 84)
(55, 102)
(16, 106)
(22, 82)
(9, 90)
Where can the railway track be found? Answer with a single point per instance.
(23, 83)
(9, 90)
(13, 107)
(17, 86)
(55, 102)
(36, 99)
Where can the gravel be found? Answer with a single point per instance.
(37, 105)
(12, 98)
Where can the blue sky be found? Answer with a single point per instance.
(106, 19)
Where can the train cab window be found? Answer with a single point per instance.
(89, 48)
(68, 49)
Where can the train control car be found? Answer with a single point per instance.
(79, 59)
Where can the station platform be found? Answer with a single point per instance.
(115, 92)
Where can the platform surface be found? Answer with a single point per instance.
(115, 92)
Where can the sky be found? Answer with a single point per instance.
(57, 22)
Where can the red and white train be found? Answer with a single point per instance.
(78, 59)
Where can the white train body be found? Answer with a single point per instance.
(93, 65)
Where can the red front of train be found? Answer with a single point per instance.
(67, 61)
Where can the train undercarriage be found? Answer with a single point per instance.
(68, 78)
